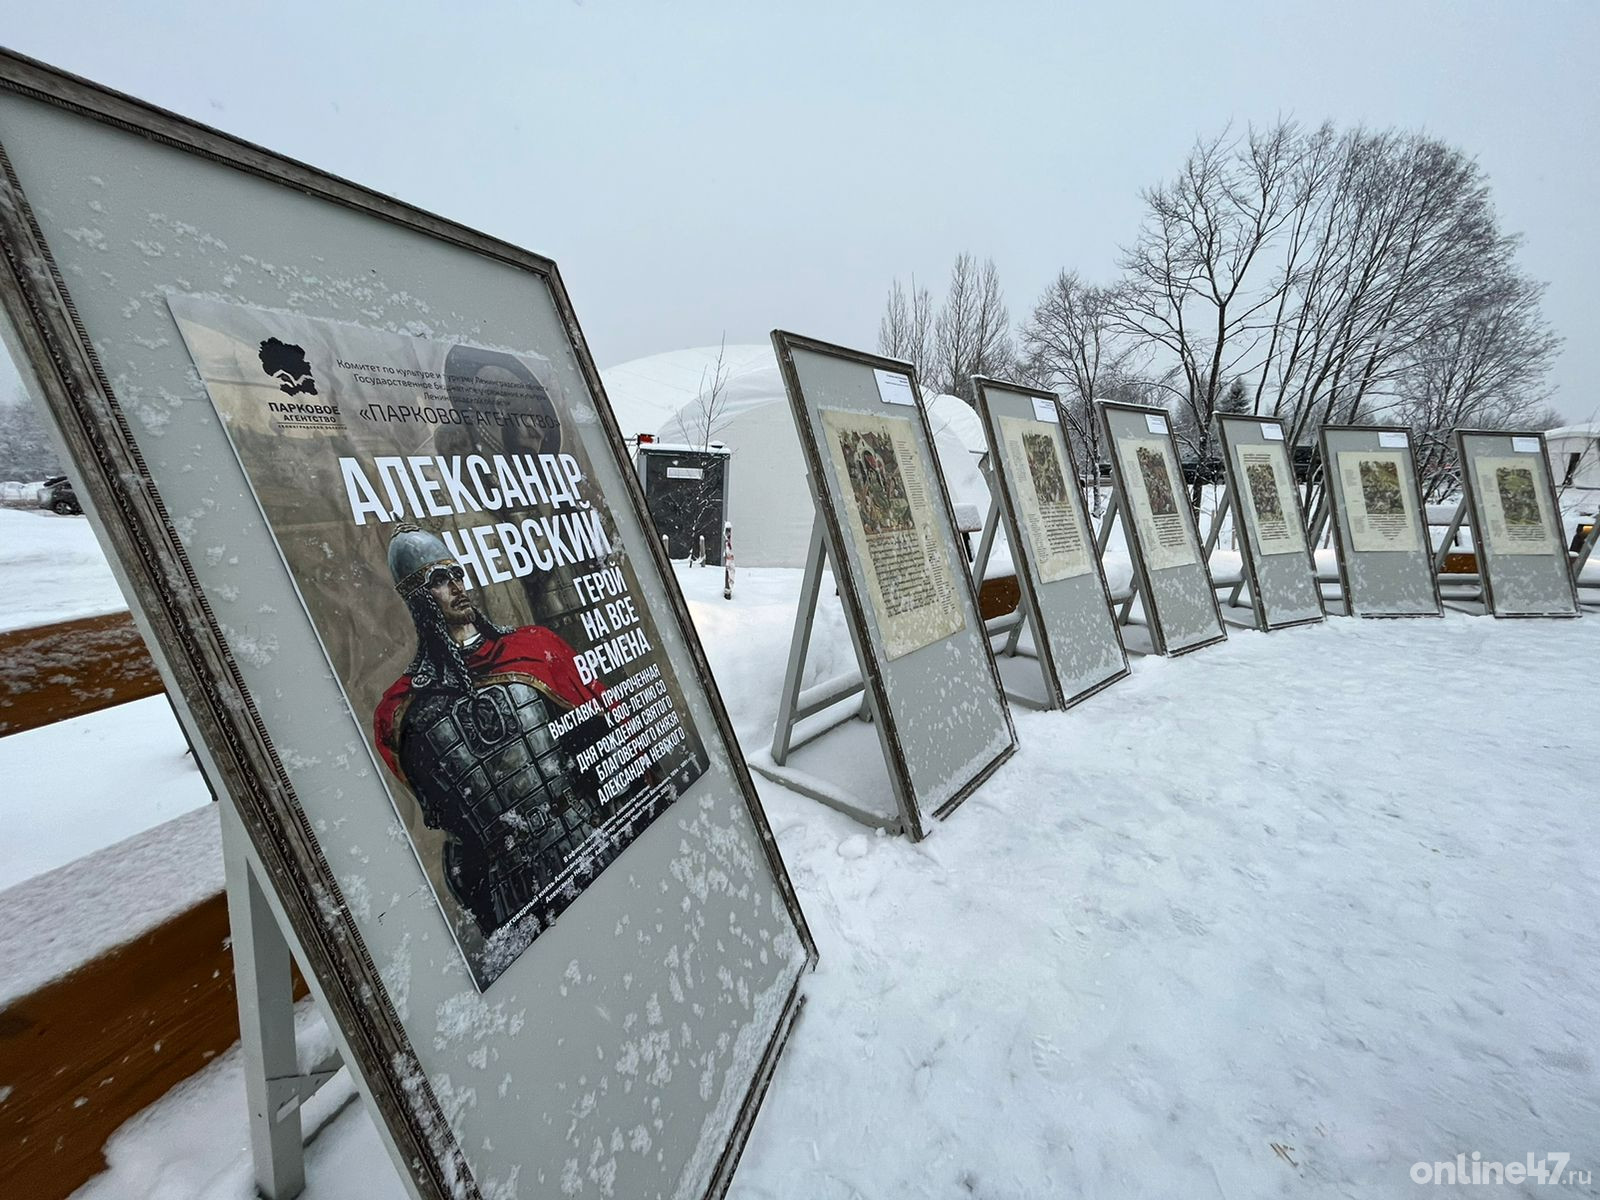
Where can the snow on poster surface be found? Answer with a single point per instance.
(1268, 484)
(889, 503)
(1039, 485)
(1515, 506)
(1155, 492)
(435, 506)
(1378, 504)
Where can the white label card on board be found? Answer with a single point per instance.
(685, 473)
(1393, 441)
(894, 387)
(1525, 445)
(1271, 432)
(1045, 410)
(1156, 424)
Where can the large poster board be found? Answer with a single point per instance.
(1385, 558)
(1175, 586)
(1261, 491)
(1517, 530)
(890, 535)
(497, 806)
(1059, 575)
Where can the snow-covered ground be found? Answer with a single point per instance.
(1281, 917)
(78, 785)
(51, 569)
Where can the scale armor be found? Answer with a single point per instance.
(488, 773)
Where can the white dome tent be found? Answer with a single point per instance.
(769, 503)
(1574, 452)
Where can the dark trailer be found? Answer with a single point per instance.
(686, 490)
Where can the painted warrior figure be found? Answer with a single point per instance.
(466, 728)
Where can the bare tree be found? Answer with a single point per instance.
(1069, 345)
(906, 328)
(1202, 294)
(707, 414)
(1313, 271)
(972, 335)
(1403, 229)
(1484, 366)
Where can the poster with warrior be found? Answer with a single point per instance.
(433, 503)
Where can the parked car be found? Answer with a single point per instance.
(57, 495)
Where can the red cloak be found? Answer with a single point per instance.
(532, 654)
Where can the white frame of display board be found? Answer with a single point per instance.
(1228, 426)
(1332, 507)
(878, 694)
(1044, 610)
(70, 355)
(1470, 513)
(1146, 586)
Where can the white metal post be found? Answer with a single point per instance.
(265, 995)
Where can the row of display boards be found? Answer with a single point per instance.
(354, 469)
(931, 693)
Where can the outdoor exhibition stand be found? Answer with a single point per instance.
(1584, 553)
(355, 472)
(1064, 603)
(1509, 499)
(934, 719)
(1279, 572)
(1379, 522)
(1170, 578)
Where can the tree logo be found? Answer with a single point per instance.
(287, 364)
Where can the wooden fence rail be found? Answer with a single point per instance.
(54, 672)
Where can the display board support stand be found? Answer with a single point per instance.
(275, 1086)
(1585, 552)
(797, 704)
(1452, 531)
(1023, 617)
(1316, 528)
(1259, 620)
(1124, 613)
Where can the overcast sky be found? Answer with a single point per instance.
(700, 168)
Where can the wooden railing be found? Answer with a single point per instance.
(84, 1052)
(54, 672)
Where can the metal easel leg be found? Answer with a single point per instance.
(1586, 550)
(1452, 531)
(991, 525)
(804, 617)
(1319, 522)
(1103, 538)
(1216, 525)
(266, 1024)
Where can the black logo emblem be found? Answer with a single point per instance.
(287, 364)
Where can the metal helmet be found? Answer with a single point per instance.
(413, 555)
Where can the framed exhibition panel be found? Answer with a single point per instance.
(1062, 584)
(1517, 529)
(1169, 567)
(1379, 522)
(1279, 570)
(886, 525)
(356, 473)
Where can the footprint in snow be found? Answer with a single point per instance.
(855, 846)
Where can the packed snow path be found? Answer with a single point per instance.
(1282, 917)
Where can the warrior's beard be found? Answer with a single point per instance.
(440, 662)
